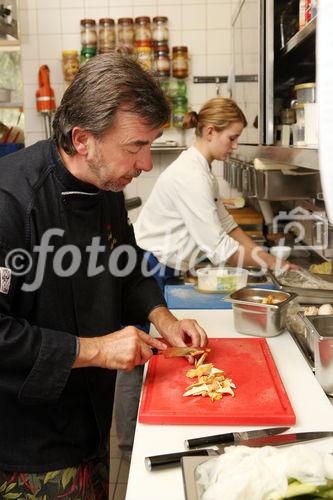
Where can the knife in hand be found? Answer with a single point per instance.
(176, 352)
(157, 462)
(232, 437)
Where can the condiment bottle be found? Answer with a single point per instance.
(86, 54)
(88, 33)
(70, 63)
(161, 59)
(125, 32)
(179, 111)
(106, 35)
(142, 29)
(143, 53)
(160, 31)
(179, 62)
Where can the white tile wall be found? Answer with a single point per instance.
(50, 26)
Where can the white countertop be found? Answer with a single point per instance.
(312, 408)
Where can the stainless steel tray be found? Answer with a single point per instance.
(189, 465)
(304, 295)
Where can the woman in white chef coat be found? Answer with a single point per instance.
(181, 222)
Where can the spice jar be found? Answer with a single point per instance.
(143, 53)
(161, 59)
(88, 33)
(179, 62)
(106, 35)
(125, 32)
(142, 29)
(160, 31)
(86, 54)
(179, 111)
(70, 64)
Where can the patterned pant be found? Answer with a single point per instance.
(89, 481)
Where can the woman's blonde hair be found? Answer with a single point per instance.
(219, 112)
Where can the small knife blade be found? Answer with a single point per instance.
(176, 352)
(232, 437)
(157, 462)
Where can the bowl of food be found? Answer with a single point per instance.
(260, 312)
(221, 280)
(280, 251)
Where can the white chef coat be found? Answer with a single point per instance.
(181, 221)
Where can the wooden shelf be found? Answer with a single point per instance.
(302, 35)
(18, 105)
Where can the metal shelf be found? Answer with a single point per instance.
(300, 37)
(302, 157)
(168, 148)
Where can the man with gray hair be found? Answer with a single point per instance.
(70, 276)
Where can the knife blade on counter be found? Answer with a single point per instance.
(173, 459)
(176, 352)
(232, 437)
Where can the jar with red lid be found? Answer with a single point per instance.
(142, 29)
(160, 31)
(106, 35)
(161, 59)
(125, 32)
(88, 33)
(180, 62)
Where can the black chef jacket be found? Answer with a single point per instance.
(51, 416)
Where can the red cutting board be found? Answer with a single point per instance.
(260, 397)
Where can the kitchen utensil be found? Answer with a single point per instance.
(320, 335)
(253, 317)
(45, 100)
(176, 352)
(260, 398)
(232, 437)
(173, 459)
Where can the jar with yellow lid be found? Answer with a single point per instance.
(180, 62)
(125, 32)
(106, 35)
(70, 64)
(143, 54)
(88, 33)
(305, 92)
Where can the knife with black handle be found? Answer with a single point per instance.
(173, 459)
(232, 437)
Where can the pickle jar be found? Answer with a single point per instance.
(88, 33)
(179, 110)
(106, 35)
(70, 64)
(125, 32)
(142, 30)
(87, 53)
(180, 62)
(143, 54)
(160, 31)
(161, 59)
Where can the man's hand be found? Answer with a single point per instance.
(178, 333)
(121, 350)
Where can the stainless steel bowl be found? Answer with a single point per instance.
(320, 330)
(252, 317)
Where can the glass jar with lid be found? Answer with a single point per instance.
(143, 54)
(125, 32)
(88, 33)
(87, 53)
(106, 35)
(160, 31)
(179, 110)
(70, 64)
(180, 62)
(161, 59)
(142, 29)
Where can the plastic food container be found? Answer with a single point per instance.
(224, 279)
(320, 330)
(305, 92)
(253, 317)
